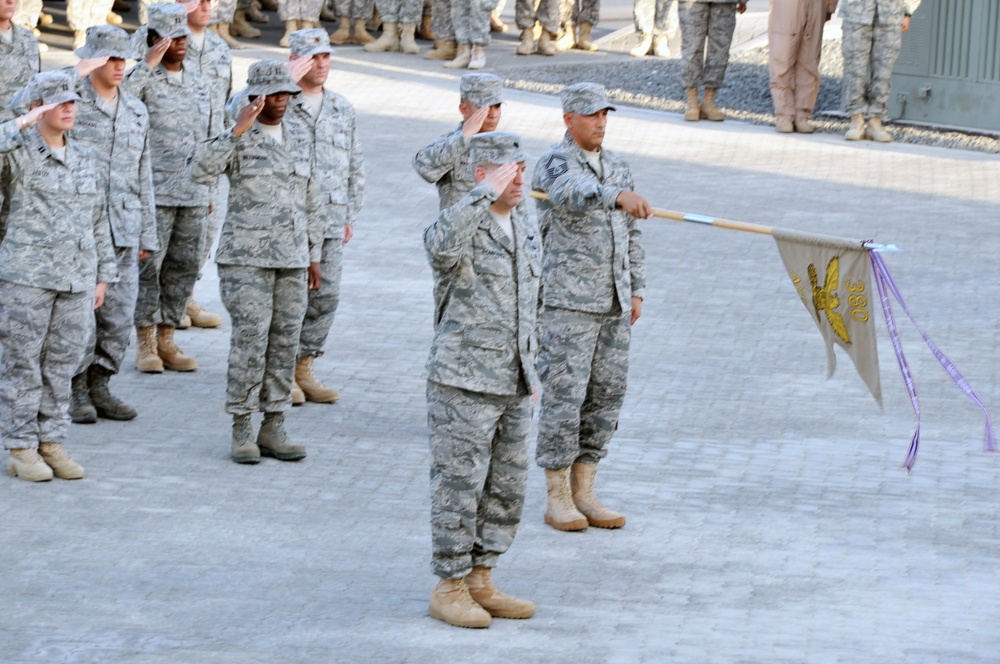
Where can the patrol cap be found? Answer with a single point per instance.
(481, 89)
(169, 20)
(496, 147)
(52, 87)
(269, 77)
(107, 41)
(313, 41)
(585, 98)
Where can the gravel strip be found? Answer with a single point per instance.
(656, 83)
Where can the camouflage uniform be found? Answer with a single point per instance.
(223, 11)
(471, 21)
(652, 17)
(580, 11)
(18, 61)
(400, 11)
(83, 14)
(441, 20)
(181, 114)
(872, 39)
(480, 376)
(354, 9)
(593, 267)
(546, 12)
(58, 247)
(299, 10)
(711, 21)
(267, 243)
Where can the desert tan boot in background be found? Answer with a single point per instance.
(527, 45)
(498, 605)
(583, 40)
(389, 41)
(62, 465)
(560, 512)
(312, 386)
(201, 317)
(446, 49)
(147, 360)
(546, 43)
(804, 125)
(273, 441)
(877, 132)
(298, 396)
(709, 111)
(692, 112)
(27, 464)
(783, 125)
(856, 132)
(599, 516)
(342, 35)
(452, 603)
(244, 449)
(173, 357)
(642, 48)
(361, 35)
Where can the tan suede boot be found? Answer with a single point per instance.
(298, 396)
(254, 13)
(221, 29)
(426, 31)
(452, 603)
(599, 516)
(274, 442)
(201, 317)
(568, 37)
(547, 43)
(583, 40)
(661, 49)
(527, 45)
(498, 605)
(877, 132)
(241, 28)
(560, 512)
(783, 125)
(709, 111)
(244, 449)
(290, 27)
(443, 50)
(389, 41)
(312, 386)
(172, 356)
(857, 130)
(147, 360)
(477, 59)
(26, 463)
(62, 465)
(111, 19)
(692, 112)
(407, 38)
(462, 57)
(642, 48)
(496, 23)
(343, 33)
(804, 125)
(361, 35)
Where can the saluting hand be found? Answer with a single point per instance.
(299, 67)
(475, 122)
(30, 119)
(501, 176)
(154, 56)
(87, 66)
(248, 116)
(191, 5)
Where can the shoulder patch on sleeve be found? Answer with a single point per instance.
(556, 165)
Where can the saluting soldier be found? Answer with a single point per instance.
(481, 377)
(182, 113)
(269, 253)
(592, 290)
(115, 124)
(55, 264)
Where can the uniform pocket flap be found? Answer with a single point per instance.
(480, 337)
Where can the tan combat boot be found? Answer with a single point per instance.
(462, 57)
(661, 48)
(443, 50)
(221, 29)
(709, 110)
(274, 442)
(389, 41)
(642, 48)
(343, 33)
(244, 449)
(426, 30)
(172, 356)
(407, 39)
(79, 39)
(26, 463)
(477, 59)
(804, 125)
(547, 43)
(111, 19)
(312, 386)
(361, 35)
(856, 132)
(598, 515)
(783, 125)
(560, 512)
(147, 360)
(254, 13)
(498, 605)
(568, 37)
(452, 603)
(527, 45)
(692, 112)
(290, 27)
(201, 317)
(81, 408)
(496, 23)
(583, 40)
(877, 132)
(241, 28)
(298, 396)
(62, 465)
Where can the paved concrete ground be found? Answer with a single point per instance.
(769, 520)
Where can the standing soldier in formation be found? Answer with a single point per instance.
(348, 12)
(445, 46)
(592, 290)
(336, 195)
(481, 377)
(269, 253)
(114, 124)
(181, 115)
(795, 41)
(707, 28)
(873, 36)
(472, 34)
(652, 23)
(399, 26)
(529, 12)
(55, 264)
(578, 18)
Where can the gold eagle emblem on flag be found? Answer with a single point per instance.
(825, 299)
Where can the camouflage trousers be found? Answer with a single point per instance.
(441, 19)
(546, 12)
(353, 8)
(580, 11)
(42, 333)
(223, 11)
(479, 469)
(299, 10)
(870, 53)
(112, 323)
(471, 20)
(83, 14)
(400, 11)
(322, 305)
(706, 35)
(266, 307)
(652, 17)
(583, 366)
(26, 14)
(167, 277)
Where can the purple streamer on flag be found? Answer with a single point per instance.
(886, 285)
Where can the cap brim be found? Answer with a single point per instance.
(62, 98)
(316, 51)
(264, 90)
(86, 53)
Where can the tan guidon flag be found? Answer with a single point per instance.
(833, 278)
